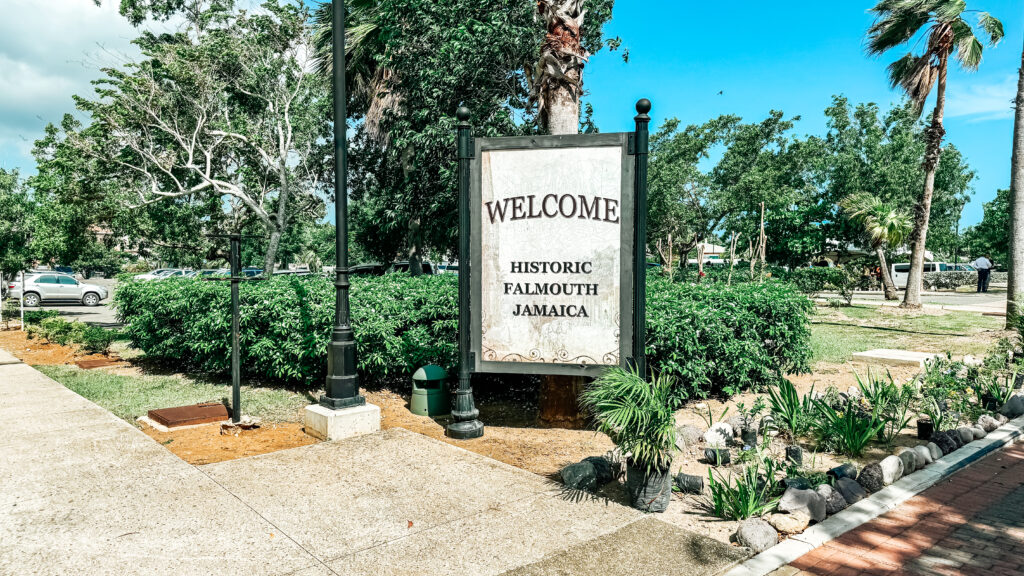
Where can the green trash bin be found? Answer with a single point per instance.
(430, 395)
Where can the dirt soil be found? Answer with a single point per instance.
(41, 352)
(205, 444)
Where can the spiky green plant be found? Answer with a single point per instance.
(847, 429)
(791, 413)
(639, 416)
(743, 496)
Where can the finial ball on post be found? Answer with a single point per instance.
(462, 114)
(643, 106)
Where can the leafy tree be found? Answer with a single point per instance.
(948, 34)
(991, 236)
(884, 225)
(15, 209)
(225, 111)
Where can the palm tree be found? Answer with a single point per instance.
(947, 34)
(369, 82)
(558, 79)
(885, 226)
(1015, 289)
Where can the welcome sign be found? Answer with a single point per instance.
(552, 253)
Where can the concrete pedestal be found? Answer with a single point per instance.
(326, 424)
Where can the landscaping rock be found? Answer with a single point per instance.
(924, 456)
(845, 470)
(988, 423)
(687, 436)
(1001, 419)
(806, 501)
(1013, 408)
(854, 393)
(870, 478)
(736, 424)
(603, 469)
(892, 469)
(719, 435)
(909, 459)
(757, 535)
(834, 501)
(579, 476)
(766, 424)
(966, 435)
(935, 451)
(945, 442)
(956, 438)
(979, 432)
(789, 523)
(797, 483)
(851, 491)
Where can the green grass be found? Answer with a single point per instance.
(129, 397)
(836, 334)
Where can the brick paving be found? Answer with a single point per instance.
(970, 524)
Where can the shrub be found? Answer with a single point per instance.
(790, 412)
(717, 339)
(847, 430)
(92, 339)
(744, 496)
(709, 338)
(891, 403)
(400, 323)
(951, 280)
(639, 416)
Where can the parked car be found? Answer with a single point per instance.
(403, 266)
(900, 272)
(250, 272)
(154, 274)
(373, 269)
(54, 287)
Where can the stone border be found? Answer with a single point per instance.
(878, 503)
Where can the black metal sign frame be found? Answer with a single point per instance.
(486, 361)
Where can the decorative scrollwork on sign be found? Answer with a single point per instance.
(611, 358)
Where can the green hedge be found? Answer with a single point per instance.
(952, 280)
(715, 339)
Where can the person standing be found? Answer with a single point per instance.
(984, 267)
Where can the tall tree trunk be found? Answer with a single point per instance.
(415, 248)
(559, 82)
(278, 221)
(887, 284)
(922, 212)
(1015, 288)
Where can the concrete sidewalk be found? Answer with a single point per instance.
(83, 492)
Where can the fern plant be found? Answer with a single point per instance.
(639, 416)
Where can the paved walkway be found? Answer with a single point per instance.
(83, 492)
(970, 524)
(988, 302)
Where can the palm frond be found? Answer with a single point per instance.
(948, 10)
(915, 75)
(992, 26)
(894, 28)
(969, 52)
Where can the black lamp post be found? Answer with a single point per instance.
(342, 382)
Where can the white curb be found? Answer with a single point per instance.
(878, 503)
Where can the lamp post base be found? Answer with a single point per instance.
(328, 424)
(340, 403)
(465, 430)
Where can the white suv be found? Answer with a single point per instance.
(55, 287)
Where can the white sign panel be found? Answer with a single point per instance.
(549, 273)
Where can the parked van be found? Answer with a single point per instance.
(900, 272)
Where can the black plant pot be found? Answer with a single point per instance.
(795, 455)
(990, 402)
(749, 437)
(649, 490)
(717, 456)
(925, 429)
(847, 470)
(689, 483)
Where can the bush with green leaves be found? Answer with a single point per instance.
(813, 281)
(951, 280)
(92, 339)
(711, 338)
(846, 429)
(890, 402)
(400, 322)
(639, 416)
(717, 339)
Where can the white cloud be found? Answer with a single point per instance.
(982, 101)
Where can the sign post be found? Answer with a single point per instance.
(466, 424)
(640, 151)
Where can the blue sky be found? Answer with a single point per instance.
(793, 56)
